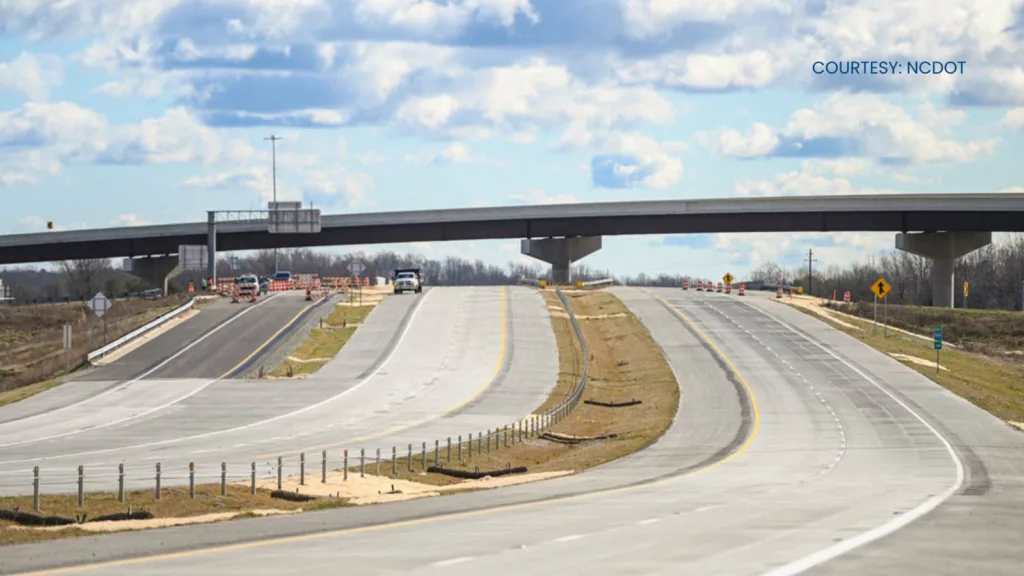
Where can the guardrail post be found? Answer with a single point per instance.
(302, 469)
(488, 440)
(323, 468)
(394, 461)
(520, 431)
(345, 467)
(408, 460)
(223, 478)
(81, 486)
(191, 479)
(449, 459)
(120, 483)
(480, 443)
(280, 472)
(505, 428)
(252, 487)
(362, 462)
(35, 488)
(156, 493)
(470, 446)
(460, 447)
(378, 461)
(423, 457)
(437, 452)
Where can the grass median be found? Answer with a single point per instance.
(323, 343)
(625, 364)
(992, 383)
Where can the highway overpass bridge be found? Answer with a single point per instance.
(941, 227)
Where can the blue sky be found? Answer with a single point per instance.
(126, 112)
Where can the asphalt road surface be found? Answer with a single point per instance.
(795, 449)
(421, 367)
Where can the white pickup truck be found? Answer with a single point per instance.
(408, 280)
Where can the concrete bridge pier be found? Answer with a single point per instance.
(561, 253)
(157, 269)
(943, 248)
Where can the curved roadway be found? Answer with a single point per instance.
(795, 448)
(449, 361)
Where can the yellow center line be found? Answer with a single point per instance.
(267, 343)
(453, 515)
(483, 388)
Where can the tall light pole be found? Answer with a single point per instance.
(273, 163)
(810, 275)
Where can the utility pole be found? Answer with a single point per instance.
(273, 162)
(810, 262)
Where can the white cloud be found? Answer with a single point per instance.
(32, 75)
(713, 71)
(646, 18)
(1015, 118)
(538, 196)
(760, 141)
(175, 137)
(631, 160)
(799, 183)
(440, 19)
(858, 125)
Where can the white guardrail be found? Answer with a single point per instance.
(600, 282)
(100, 352)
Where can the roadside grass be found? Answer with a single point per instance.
(19, 394)
(174, 503)
(991, 383)
(31, 345)
(625, 364)
(323, 344)
(993, 332)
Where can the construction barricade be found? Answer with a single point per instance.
(846, 296)
(700, 285)
(743, 290)
(719, 288)
(728, 288)
(778, 292)
(686, 284)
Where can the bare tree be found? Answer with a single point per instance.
(83, 278)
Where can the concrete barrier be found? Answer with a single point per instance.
(100, 352)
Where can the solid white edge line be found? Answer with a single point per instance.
(252, 424)
(120, 387)
(836, 550)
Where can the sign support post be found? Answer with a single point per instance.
(100, 304)
(67, 347)
(881, 289)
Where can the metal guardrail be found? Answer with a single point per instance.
(600, 282)
(100, 352)
(565, 407)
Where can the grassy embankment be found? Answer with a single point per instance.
(986, 366)
(31, 349)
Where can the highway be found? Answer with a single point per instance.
(795, 449)
(448, 361)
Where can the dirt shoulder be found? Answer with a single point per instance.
(994, 383)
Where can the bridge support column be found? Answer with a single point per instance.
(943, 248)
(157, 269)
(561, 253)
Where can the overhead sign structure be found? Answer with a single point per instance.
(99, 304)
(881, 288)
(727, 278)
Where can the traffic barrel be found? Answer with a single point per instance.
(309, 294)
(743, 290)
(686, 283)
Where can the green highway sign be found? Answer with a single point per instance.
(938, 337)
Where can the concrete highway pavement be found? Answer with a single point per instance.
(220, 339)
(421, 367)
(785, 453)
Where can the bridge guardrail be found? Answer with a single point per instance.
(100, 352)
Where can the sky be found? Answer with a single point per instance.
(132, 112)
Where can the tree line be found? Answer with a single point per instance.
(994, 274)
